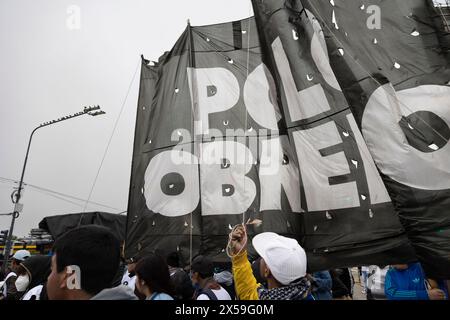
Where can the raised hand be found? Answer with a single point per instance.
(238, 240)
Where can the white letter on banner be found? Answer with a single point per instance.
(261, 99)
(388, 144)
(316, 169)
(225, 188)
(162, 165)
(319, 53)
(377, 189)
(274, 175)
(215, 89)
(306, 103)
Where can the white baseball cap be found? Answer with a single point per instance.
(285, 258)
(21, 255)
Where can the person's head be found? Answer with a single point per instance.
(90, 254)
(400, 267)
(152, 275)
(132, 262)
(131, 265)
(283, 260)
(19, 257)
(173, 260)
(256, 268)
(202, 268)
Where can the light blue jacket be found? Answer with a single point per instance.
(406, 284)
(159, 296)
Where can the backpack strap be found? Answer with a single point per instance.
(208, 292)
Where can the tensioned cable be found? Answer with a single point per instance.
(228, 248)
(60, 198)
(443, 16)
(194, 145)
(238, 66)
(110, 139)
(246, 112)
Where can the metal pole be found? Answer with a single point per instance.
(8, 246)
(15, 214)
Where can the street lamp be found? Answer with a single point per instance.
(92, 111)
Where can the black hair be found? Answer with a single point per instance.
(155, 272)
(205, 275)
(204, 266)
(38, 268)
(95, 250)
(257, 272)
(173, 259)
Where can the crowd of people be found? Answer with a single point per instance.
(86, 263)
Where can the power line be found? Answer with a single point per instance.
(59, 195)
(60, 198)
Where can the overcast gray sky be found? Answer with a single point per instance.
(50, 68)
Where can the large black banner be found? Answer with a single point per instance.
(390, 61)
(349, 218)
(208, 153)
(227, 134)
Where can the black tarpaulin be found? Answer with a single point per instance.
(58, 225)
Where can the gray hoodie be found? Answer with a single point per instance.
(117, 293)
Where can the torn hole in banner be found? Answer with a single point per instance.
(334, 21)
(415, 33)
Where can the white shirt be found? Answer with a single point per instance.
(129, 281)
(221, 294)
(36, 291)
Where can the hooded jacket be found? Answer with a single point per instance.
(38, 269)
